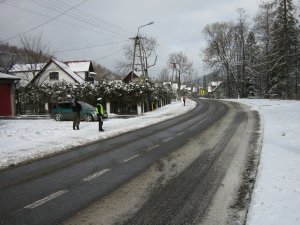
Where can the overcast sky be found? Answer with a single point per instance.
(108, 25)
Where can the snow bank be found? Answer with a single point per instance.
(276, 196)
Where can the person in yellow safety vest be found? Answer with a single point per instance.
(100, 113)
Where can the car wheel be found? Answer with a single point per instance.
(88, 117)
(58, 117)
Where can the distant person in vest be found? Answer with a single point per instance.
(100, 112)
(76, 108)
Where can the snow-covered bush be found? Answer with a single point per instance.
(130, 93)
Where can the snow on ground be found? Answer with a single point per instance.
(22, 140)
(276, 196)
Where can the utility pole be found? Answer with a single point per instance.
(134, 50)
(174, 69)
(137, 42)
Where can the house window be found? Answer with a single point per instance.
(54, 76)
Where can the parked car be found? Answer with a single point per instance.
(63, 111)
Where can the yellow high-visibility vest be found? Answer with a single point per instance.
(99, 109)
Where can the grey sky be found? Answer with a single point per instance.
(108, 25)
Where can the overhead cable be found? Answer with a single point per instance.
(82, 16)
(48, 21)
(93, 17)
(60, 20)
(76, 49)
(108, 55)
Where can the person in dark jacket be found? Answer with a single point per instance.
(76, 108)
(100, 113)
(184, 99)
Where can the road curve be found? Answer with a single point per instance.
(197, 195)
(51, 190)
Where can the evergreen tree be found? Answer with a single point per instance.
(264, 21)
(253, 80)
(285, 42)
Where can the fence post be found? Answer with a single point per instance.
(108, 108)
(139, 107)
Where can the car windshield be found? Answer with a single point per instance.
(87, 106)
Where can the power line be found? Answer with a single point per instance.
(108, 55)
(85, 18)
(82, 16)
(40, 14)
(48, 21)
(76, 49)
(74, 15)
(93, 17)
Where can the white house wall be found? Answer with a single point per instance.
(81, 74)
(62, 75)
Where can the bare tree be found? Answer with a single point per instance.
(182, 65)
(34, 53)
(221, 52)
(190, 78)
(147, 55)
(164, 75)
(226, 52)
(241, 30)
(103, 73)
(149, 46)
(8, 56)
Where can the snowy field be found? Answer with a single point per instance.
(276, 196)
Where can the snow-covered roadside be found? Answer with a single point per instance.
(276, 195)
(22, 140)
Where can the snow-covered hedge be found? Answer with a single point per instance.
(114, 91)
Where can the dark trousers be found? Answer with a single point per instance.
(76, 120)
(100, 123)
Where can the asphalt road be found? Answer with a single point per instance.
(51, 190)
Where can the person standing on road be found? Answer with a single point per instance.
(184, 98)
(76, 108)
(100, 113)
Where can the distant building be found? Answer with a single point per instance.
(130, 78)
(168, 84)
(175, 86)
(7, 93)
(216, 89)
